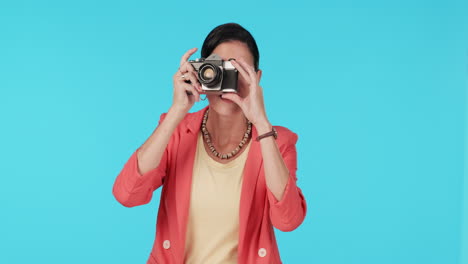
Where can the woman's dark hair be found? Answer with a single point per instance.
(230, 32)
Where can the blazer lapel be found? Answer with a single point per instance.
(184, 170)
(249, 185)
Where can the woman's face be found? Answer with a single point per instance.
(235, 50)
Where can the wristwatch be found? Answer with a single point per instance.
(271, 133)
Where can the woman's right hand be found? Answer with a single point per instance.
(185, 94)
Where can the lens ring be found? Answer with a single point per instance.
(209, 74)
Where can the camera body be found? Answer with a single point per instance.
(216, 75)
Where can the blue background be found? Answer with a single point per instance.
(376, 91)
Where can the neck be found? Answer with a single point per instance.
(226, 129)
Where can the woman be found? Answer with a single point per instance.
(228, 175)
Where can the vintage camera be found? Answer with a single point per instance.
(215, 75)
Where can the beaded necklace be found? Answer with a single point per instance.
(207, 138)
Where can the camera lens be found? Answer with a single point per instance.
(209, 74)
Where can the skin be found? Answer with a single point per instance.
(227, 117)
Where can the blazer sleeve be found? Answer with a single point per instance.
(131, 188)
(288, 213)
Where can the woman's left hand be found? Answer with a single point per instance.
(252, 105)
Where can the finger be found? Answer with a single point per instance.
(233, 97)
(193, 79)
(187, 55)
(186, 67)
(191, 91)
(249, 69)
(241, 70)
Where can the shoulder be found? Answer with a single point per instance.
(285, 134)
(286, 137)
(191, 121)
(187, 117)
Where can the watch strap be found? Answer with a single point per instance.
(268, 134)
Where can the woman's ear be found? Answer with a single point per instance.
(259, 75)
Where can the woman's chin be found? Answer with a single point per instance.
(226, 101)
(223, 106)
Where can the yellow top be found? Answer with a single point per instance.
(213, 224)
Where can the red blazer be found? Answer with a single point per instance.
(259, 209)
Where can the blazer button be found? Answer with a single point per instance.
(166, 244)
(262, 252)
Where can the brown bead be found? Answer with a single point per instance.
(207, 138)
